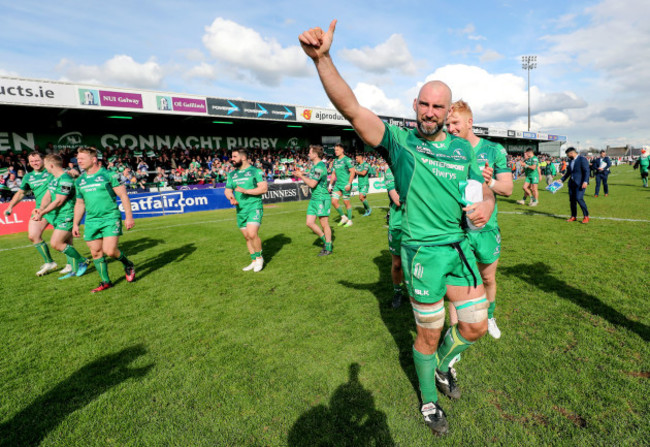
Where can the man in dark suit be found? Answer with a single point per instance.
(603, 163)
(578, 174)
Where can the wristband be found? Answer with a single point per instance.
(491, 185)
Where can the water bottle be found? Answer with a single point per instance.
(472, 193)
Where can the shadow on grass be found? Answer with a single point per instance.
(539, 275)
(350, 420)
(31, 425)
(531, 212)
(272, 246)
(398, 322)
(161, 260)
(138, 245)
(318, 243)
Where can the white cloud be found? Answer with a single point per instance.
(616, 43)
(202, 71)
(7, 73)
(503, 98)
(469, 32)
(564, 21)
(484, 55)
(244, 49)
(490, 56)
(392, 54)
(121, 69)
(375, 99)
(192, 54)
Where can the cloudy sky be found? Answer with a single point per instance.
(591, 82)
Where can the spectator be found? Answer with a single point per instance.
(578, 175)
(603, 163)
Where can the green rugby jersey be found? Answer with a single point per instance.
(427, 177)
(549, 169)
(364, 180)
(341, 168)
(248, 179)
(496, 157)
(644, 163)
(395, 212)
(37, 182)
(97, 193)
(319, 173)
(62, 186)
(530, 162)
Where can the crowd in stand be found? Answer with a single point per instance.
(171, 167)
(176, 167)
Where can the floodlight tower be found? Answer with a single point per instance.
(528, 63)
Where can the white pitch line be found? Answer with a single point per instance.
(532, 213)
(302, 211)
(147, 228)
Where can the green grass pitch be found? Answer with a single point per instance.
(309, 352)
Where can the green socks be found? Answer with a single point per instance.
(452, 345)
(322, 238)
(102, 268)
(366, 205)
(44, 251)
(328, 246)
(425, 366)
(124, 260)
(397, 288)
(257, 254)
(493, 304)
(74, 258)
(340, 211)
(350, 213)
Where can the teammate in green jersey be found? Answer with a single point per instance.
(394, 237)
(319, 203)
(244, 188)
(58, 204)
(37, 181)
(486, 241)
(429, 166)
(531, 181)
(362, 171)
(643, 162)
(341, 184)
(96, 191)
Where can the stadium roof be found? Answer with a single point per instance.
(44, 93)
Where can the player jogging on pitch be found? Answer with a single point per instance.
(244, 188)
(96, 191)
(319, 203)
(37, 180)
(394, 238)
(531, 180)
(486, 241)
(341, 184)
(429, 166)
(362, 171)
(58, 205)
(643, 163)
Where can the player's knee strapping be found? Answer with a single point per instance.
(429, 316)
(472, 311)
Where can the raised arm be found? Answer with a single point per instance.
(316, 44)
